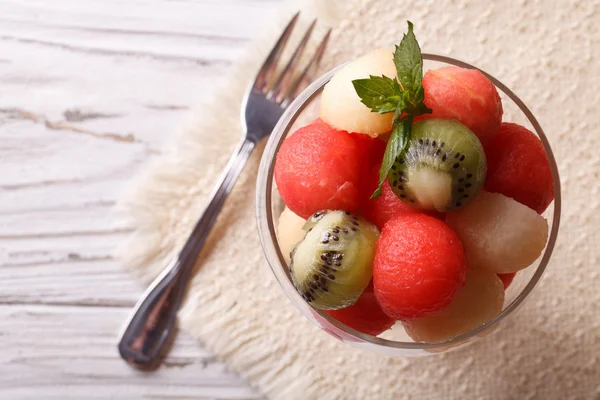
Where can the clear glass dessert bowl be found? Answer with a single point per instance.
(394, 342)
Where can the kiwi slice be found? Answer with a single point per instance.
(442, 168)
(333, 264)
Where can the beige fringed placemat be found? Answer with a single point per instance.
(547, 50)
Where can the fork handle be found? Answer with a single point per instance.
(152, 321)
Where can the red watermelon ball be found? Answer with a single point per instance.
(518, 167)
(419, 266)
(317, 168)
(466, 95)
(507, 279)
(365, 315)
(372, 148)
(383, 208)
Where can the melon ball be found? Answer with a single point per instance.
(289, 232)
(341, 106)
(465, 95)
(518, 167)
(480, 300)
(365, 315)
(319, 168)
(499, 233)
(419, 266)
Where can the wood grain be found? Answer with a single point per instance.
(89, 91)
(70, 352)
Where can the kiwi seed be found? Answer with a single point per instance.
(442, 168)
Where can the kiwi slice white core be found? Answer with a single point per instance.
(432, 189)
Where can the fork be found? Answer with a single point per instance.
(149, 330)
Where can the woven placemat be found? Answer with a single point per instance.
(548, 52)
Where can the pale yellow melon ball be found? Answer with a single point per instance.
(289, 232)
(480, 300)
(341, 106)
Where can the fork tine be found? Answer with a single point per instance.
(287, 73)
(305, 78)
(268, 68)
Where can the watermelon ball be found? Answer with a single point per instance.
(419, 266)
(365, 315)
(466, 95)
(318, 167)
(507, 279)
(371, 148)
(383, 208)
(518, 167)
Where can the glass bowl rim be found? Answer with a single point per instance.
(268, 236)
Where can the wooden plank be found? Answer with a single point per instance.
(137, 65)
(87, 282)
(179, 31)
(76, 95)
(90, 91)
(70, 353)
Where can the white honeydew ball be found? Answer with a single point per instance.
(499, 233)
(289, 232)
(341, 106)
(480, 300)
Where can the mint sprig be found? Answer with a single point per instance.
(403, 96)
(409, 62)
(379, 93)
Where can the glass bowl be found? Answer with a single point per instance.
(394, 342)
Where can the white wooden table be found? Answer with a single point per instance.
(89, 89)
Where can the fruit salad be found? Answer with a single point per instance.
(410, 200)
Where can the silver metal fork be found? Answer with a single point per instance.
(147, 333)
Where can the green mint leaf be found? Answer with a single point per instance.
(398, 141)
(419, 94)
(397, 86)
(387, 108)
(406, 104)
(398, 114)
(409, 64)
(379, 93)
